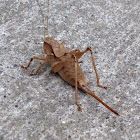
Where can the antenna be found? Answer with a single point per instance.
(48, 17)
(43, 19)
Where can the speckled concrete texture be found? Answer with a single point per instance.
(43, 107)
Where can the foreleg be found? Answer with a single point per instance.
(35, 57)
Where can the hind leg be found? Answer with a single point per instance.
(76, 88)
(79, 55)
(98, 82)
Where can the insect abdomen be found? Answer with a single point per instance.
(68, 74)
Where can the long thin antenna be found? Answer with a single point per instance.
(44, 18)
(48, 17)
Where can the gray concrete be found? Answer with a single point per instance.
(43, 107)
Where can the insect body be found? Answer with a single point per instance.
(65, 63)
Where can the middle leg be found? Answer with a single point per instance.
(31, 74)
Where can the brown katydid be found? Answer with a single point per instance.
(65, 63)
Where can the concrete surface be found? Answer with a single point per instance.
(43, 107)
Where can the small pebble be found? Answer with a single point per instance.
(128, 73)
(1, 72)
(2, 89)
(63, 122)
(15, 65)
